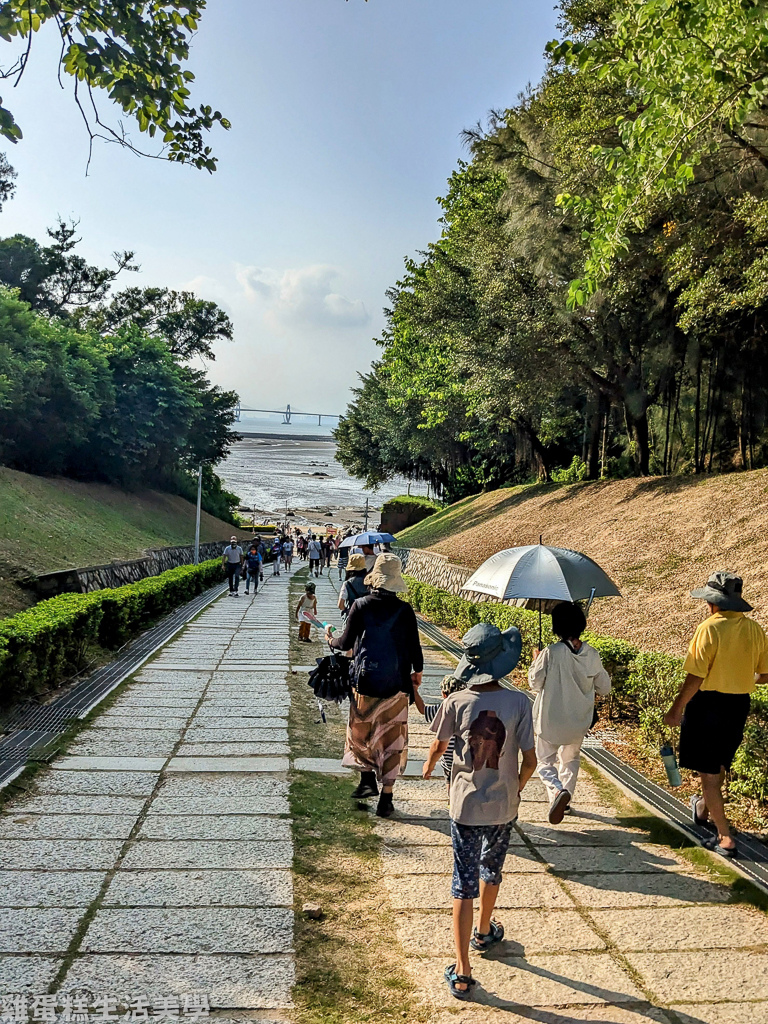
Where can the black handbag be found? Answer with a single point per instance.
(330, 680)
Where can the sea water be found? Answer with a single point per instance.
(275, 471)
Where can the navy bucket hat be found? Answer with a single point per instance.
(489, 654)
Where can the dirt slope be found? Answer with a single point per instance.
(54, 523)
(657, 538)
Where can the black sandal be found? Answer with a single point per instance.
(483, 942)
(452, 977)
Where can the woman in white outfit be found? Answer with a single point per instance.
(565, 678)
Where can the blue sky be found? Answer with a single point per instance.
(346, 121)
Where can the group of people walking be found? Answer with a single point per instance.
(490, 740)
(249, 562)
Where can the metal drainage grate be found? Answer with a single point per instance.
(33, 729)
(753, 852)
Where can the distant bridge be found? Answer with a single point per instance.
(287, 413)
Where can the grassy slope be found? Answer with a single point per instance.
(657, 538)
(53, 523)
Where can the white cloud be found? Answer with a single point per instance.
(304, 296)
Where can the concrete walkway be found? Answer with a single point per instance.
(600, 925)
(151, 867)
(154, 860)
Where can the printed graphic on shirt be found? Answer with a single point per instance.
(486, 740)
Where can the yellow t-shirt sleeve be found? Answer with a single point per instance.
(701, 653)
(762, 661)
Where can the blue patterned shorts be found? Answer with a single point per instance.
(478, 853)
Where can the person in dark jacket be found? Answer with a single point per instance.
(354, 585)
(388, 662)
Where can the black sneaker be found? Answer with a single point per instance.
(385, 807)
(367, 786)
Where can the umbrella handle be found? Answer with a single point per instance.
(589, 602)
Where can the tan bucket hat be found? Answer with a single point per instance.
(356, 563)
(387, 574)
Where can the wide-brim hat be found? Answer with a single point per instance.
(489, 654)
(356, 563)
(386, 574)
(724, 590)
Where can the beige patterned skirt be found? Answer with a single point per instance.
(377, 736)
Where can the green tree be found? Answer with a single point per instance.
(54, 278)
(696, 77)
(132, 50)
(190, 326)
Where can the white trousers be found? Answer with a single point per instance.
(558, 766)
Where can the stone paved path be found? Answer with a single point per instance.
(155, 858)
(600, 925)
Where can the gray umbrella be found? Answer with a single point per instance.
(542, 573)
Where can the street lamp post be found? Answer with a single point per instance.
(197, 514)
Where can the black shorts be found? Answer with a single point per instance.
(712, 730)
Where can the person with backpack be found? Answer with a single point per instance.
(277, 553)
(232, 560)
(252, 568)
(387, 664)
(315, 553)
(354, 585)
(565, 678)
(287, 553)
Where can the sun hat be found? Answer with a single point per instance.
(489, 654)
(310, 587)
(356, 563)
(386, 574)
(723, 589)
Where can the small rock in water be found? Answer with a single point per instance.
(313, 911)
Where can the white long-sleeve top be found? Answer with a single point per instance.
(565, 685)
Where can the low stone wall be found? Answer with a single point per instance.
(429, 567)
(117, 574)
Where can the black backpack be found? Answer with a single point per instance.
(376, 669)
(355, 588)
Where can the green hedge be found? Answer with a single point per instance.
(644, 684)
(41, 647)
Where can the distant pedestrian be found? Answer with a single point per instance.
(343, 559)
(300, 546)
(490, 726)
(354, 585)
(565, 678)
(387, 665)
(252, 568)
(277, 554)
(307, 606)
(727, 657)
(369, 555)
(287, 553)
(232, 560)
(450, 684)
(315, 554)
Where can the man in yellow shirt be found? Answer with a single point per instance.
(727, 658)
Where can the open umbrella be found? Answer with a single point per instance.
(367, 538)
(541, 573)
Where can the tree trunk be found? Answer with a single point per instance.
(593, 451)
(638, 425)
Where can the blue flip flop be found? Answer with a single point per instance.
(452, 977)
